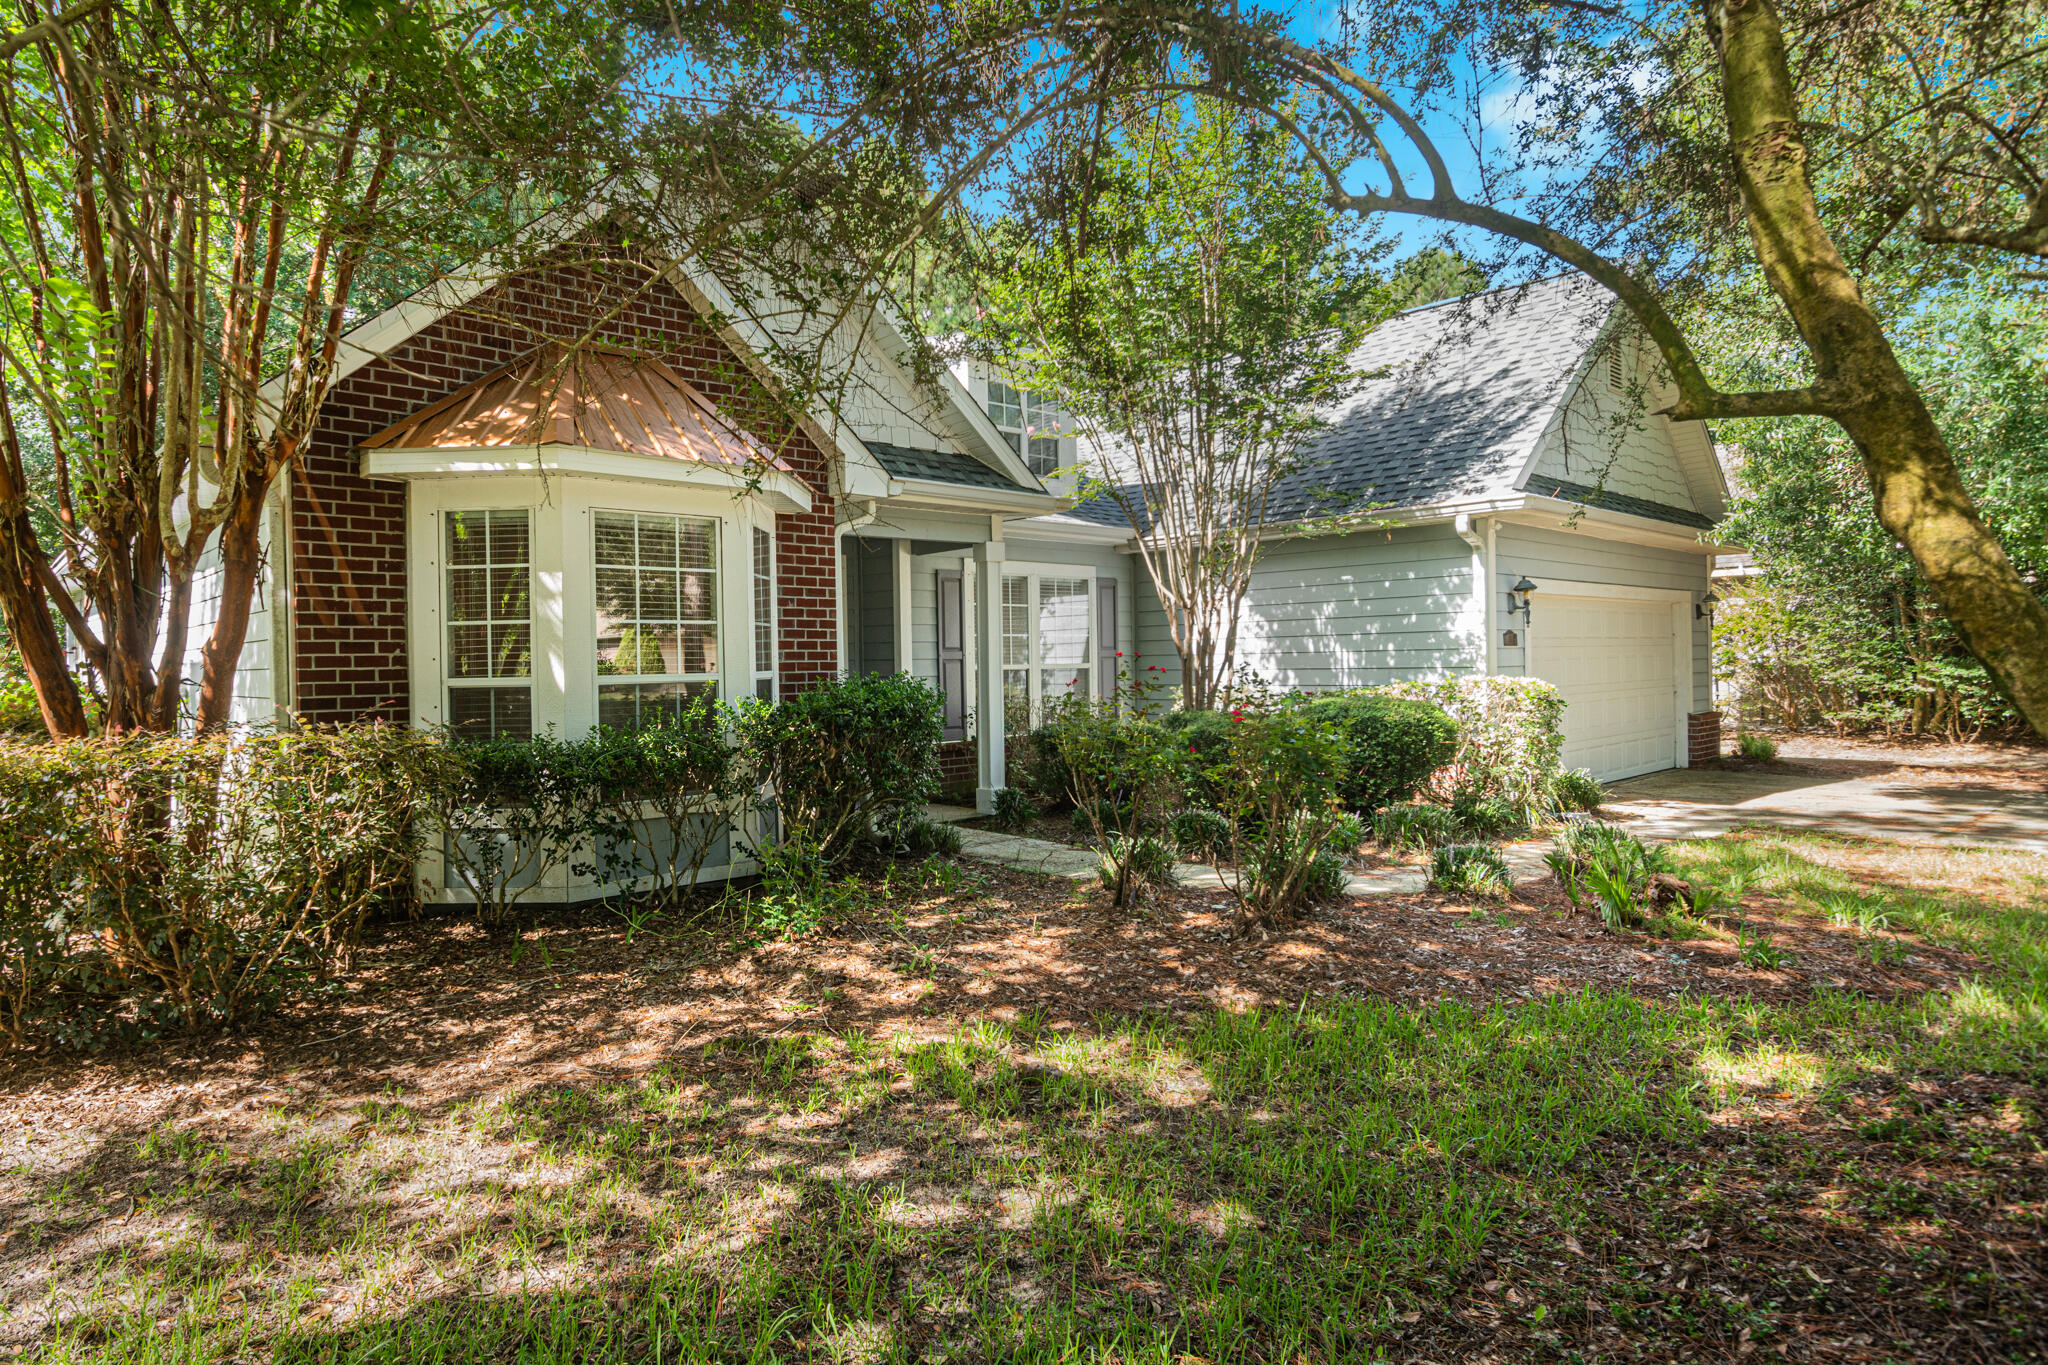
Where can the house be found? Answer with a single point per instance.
(572, 497)
(560, 499)
(1501, 498)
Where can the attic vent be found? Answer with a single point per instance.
(1617, 379)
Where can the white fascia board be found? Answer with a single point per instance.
(785, 493)
(932, 493)
(1080, 532)
(1607, 524)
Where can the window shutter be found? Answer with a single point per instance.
(953, 653)
(1105, 636)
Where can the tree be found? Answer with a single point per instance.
(1666, 145)
(202, 196)
(1193, 325)
(1839, 626)
(1432, 275)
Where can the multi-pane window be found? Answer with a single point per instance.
(764, 614)
(490, 623)
(1031, 425)
(657, 615)
(1046, 641)
(1017, 641)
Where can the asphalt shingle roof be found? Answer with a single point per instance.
(1461, 394)
(940, 466)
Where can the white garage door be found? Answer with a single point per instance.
(1613, 662)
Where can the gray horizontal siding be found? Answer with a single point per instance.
(1348, 611)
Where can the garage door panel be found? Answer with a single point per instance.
(1613, 662)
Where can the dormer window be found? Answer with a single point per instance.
(1032, 425)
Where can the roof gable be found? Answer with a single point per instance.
(1459, 394)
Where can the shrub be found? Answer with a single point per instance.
(1140, 858)
(1510, 734)
(1120, 770)
(1487, 817)
(1755, 747)
(1202, 744)
(797, 894)
(844, 755)
(920, 838)
(1039, 771)
(1278, 781)
(153, 882)
(1391, 745)
(1313, 853)
(1414, 825)
(1576, 790)
(1012, 809)
(1470, 870)
(520, 809)
(683, 785)
(1199, 832)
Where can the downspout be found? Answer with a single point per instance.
(1482, 582)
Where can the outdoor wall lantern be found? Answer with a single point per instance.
(1703, 610)
(1523, 587)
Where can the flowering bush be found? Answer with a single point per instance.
(1510, 738)
(1279, 782)
(1120, 769)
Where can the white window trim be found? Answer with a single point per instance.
(1034, 683)
(722, 530)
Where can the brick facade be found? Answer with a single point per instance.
(348, 585)
(1703, 737)
(959, 768)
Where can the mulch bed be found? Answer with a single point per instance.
(447, 1013)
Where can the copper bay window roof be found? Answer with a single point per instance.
(592, 397)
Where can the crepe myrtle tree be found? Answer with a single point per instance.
(1195, 325)
(201, 196)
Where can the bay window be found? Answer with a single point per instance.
(764, 614)
(489, 615)
(657, 617)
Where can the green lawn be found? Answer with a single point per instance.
(1585, 1176)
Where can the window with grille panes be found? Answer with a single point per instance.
(764, 614)
(489, 622)
(1047, 641)
(1031, 425)
(657, 615)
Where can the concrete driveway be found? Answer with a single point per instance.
(1977, 795)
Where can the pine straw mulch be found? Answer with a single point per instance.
(451, 1016)
(447, 1013)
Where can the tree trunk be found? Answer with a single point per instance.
(241, 554)
(27, 612)
(1920, 496)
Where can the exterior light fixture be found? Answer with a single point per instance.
(1518, 598)
(1703, 610)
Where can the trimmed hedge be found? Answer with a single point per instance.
(1392, 745)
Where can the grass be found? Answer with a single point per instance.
(1586, 1174)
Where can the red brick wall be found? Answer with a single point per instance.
(348, 533)
(1703, 737)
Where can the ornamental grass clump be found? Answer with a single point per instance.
(1576, 790)
(1605, 868)
(1414, 825)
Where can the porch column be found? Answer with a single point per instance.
(900, 580)
(988, 673)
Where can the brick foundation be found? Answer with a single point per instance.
(960, 769)
(348, 585)
(1703, 737)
